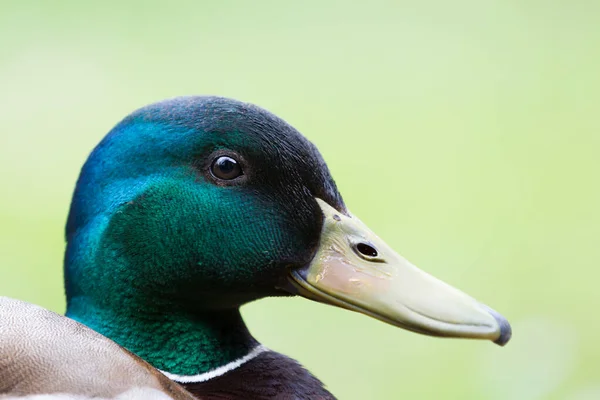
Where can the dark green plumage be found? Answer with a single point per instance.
(160, 255)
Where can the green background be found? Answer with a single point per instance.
(465, 133)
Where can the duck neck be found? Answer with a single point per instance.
(175, 341)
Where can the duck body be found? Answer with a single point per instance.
(43, 353)
(190, 208)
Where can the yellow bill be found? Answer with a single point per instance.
(355, 269)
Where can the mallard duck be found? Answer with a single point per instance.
(194, 206)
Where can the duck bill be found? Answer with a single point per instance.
(356, 270)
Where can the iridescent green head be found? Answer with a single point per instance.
(194, 206)
(201, 200)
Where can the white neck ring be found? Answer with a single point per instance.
(222, 370)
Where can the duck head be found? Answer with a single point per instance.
(200, 204)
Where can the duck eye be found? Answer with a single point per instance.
(226, 168)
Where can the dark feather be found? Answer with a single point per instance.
(270, 376)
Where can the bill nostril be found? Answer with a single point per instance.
(367, 250)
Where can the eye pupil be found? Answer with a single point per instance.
(226, 165)
(226, 168)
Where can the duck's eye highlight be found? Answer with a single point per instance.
(226, 168)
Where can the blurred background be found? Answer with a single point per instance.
(465, 133)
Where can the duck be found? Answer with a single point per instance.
(190, 208)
